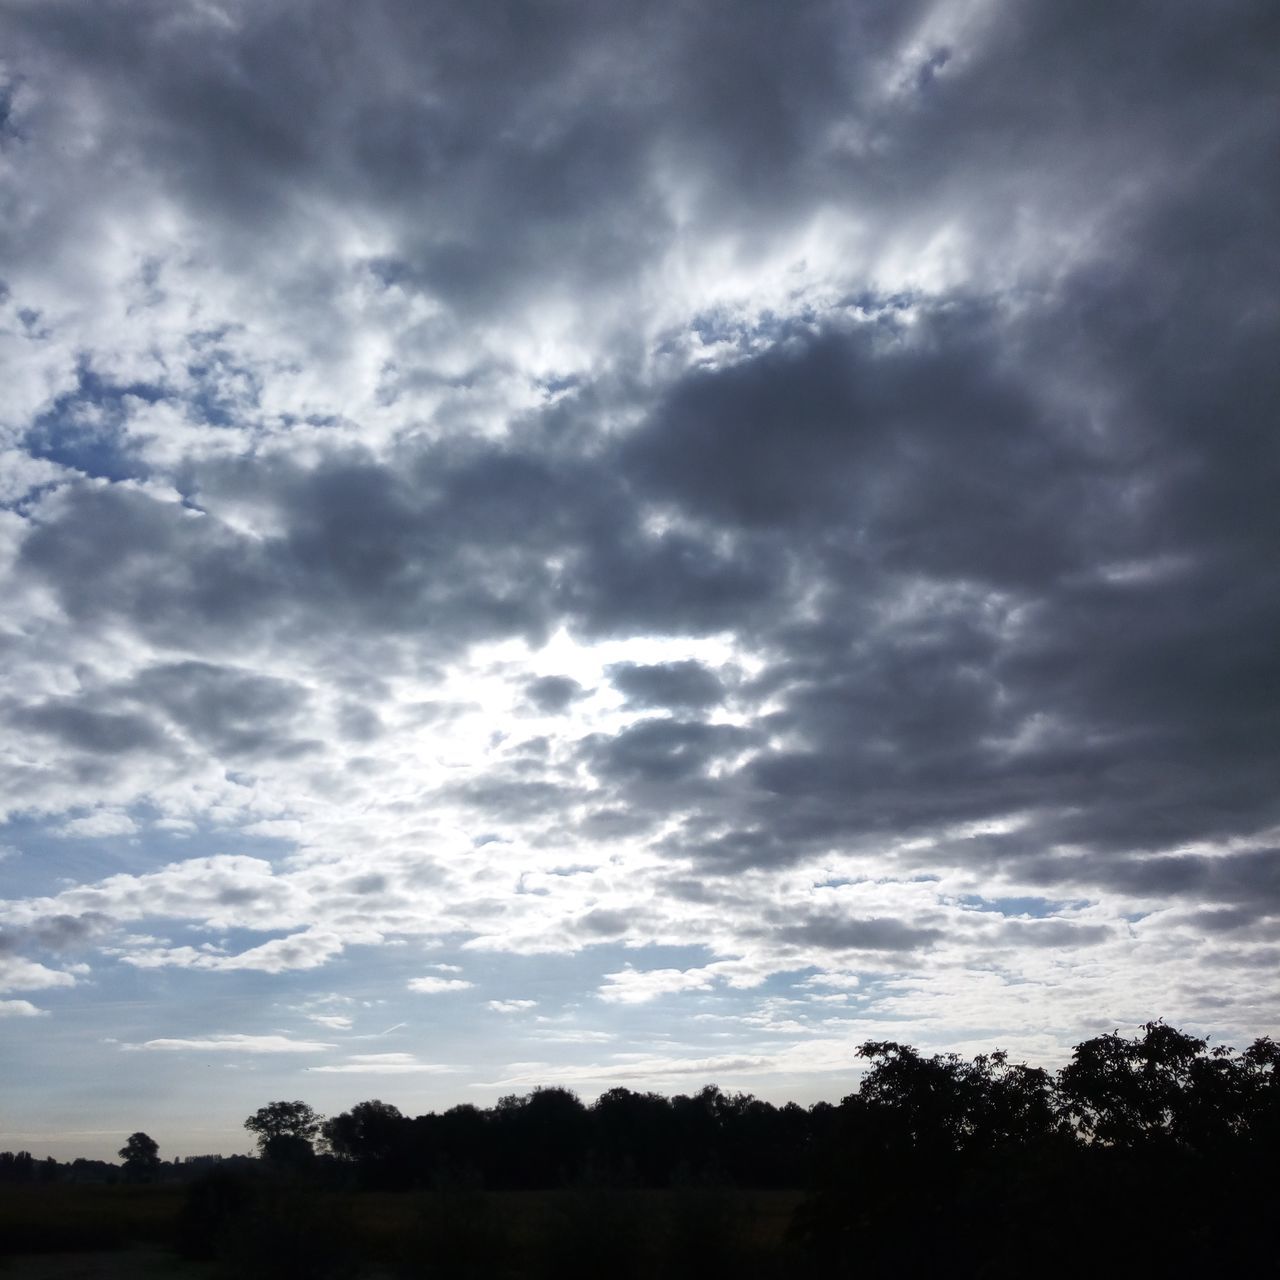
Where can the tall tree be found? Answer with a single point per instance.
(285, 1131)
(141, 1156)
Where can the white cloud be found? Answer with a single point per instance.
(17, 974)
(307, 949)
(275, 829)
(638, 1067)
(638, 986)
(19, 1009)
(384, 1064)
(511, 1006)
(433, 986)
(96, 826)
(235, 1043)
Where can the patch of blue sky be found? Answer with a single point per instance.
(1033, 906)
(41, 859)
(224, 388)
(83, 429)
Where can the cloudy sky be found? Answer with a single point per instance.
(626, 544)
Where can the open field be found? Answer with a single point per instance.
(141, 1262)
(84, 1232)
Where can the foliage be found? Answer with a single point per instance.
(285, 1131)
(141, 1156)
(1161, 1145)
(284, 1119)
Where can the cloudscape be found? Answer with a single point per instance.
(556, 543)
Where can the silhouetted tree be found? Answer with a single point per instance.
(540, 1140)
(17, 1166)
(141, 1156)
(376, 1138)
(455, 1147)
(1124, 1092)
(285, 1131)
(632, 1138)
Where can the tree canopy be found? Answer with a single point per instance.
(141, 1156)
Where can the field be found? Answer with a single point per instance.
(65, 1232)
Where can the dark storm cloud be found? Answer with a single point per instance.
(684, 685)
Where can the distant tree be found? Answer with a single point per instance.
(540, 1139)
(141, 1156)
(17, 1166)
(285, 1131)
(633, 1137)
(376, 1138)
(369, 1132)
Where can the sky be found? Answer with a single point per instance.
(648, 544)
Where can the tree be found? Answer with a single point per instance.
(368, 1133)
(1126, 1092)
(141, 1156)
(285, 1131)
(376, 1138)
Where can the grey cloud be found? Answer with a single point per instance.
(867, 431)
(659, 751)
(1225, 919)
(453, 540)
(834, 932)
(502, 149)
(553, 694)
(233, 712)
(359, 724)
(616, 823)
(55, 933)
(514, 799)
(605, 924)
(236, 896)
(82, 728)
(685, 685)
(1250, 880)
(1053, 933)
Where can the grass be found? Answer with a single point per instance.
(590, 1232)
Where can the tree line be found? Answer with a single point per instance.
(1162, 1090)
(1153, 1154)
